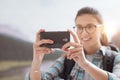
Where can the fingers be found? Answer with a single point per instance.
(38, 34)
(39, 49)
(43, 41)
(44, 50)
(74, 55)
(74, 36)
(65, 46)
(74, 51)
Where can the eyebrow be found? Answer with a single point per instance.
(89, 24)
(78, 25)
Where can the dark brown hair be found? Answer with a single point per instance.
(97, 16)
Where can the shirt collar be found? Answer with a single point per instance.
(103, 50)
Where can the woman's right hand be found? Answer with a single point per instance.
(38, 51)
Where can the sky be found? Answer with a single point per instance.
(28, 16)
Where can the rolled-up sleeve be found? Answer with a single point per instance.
(116, 70)
(27, 77)
(52, 72)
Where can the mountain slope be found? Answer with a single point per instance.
(12, 48)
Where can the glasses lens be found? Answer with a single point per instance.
(90, 28)
(78, 29)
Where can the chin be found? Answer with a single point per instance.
(86, 44)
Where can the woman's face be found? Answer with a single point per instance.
(88, 37)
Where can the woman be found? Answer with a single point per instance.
(87, 51)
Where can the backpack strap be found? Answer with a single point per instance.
(68, 65)
(108, 61)
(114, 47)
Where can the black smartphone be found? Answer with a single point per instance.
(59, 38)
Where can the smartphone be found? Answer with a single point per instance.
(59, 38)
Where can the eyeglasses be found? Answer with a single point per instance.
(89, 28)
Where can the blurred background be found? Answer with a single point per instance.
(21, 19)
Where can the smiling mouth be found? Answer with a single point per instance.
(86, 39)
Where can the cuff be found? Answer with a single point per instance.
(112, 76)
(27, 76)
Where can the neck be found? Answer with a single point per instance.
(92, 49)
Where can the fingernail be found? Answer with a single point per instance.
(52, 41)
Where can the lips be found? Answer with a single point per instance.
(86, 39)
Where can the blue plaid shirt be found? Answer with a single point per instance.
(77, 72)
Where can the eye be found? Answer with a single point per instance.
(79, 27)
(90, 26)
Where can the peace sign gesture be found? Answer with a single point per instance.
(76, 52)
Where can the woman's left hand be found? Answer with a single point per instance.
(76, 52)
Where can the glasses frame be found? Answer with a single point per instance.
(85, 27)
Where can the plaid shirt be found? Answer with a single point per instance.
(77, 72)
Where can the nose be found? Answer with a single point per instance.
(84, 31)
